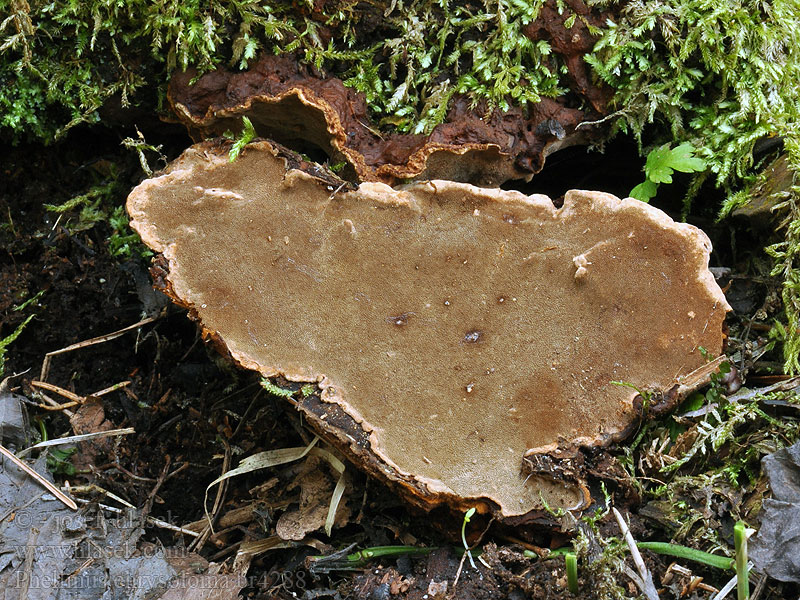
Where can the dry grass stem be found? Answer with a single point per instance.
(645, 579)
(76, 438)
(50, 487)
(90, 342)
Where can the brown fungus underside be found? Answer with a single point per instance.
(451, 329)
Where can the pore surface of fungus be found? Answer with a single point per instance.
(452, 329)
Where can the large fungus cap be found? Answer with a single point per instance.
(452, 330)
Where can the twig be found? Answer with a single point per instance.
(460, 567)
(74, 399)
(762, 583)
(645, 580)
(197, 544)
(86, 489)
(57, 407)
(153, 520)
(58, 390)
(110, 389)
(695, 582)
(537, 550)
(50, 487)
(229, 549)
(52, 403)
(90, 342)
(148, 504)
(121, 469)
(184, 465)
(335, 561)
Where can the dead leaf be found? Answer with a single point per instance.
(775, 550)
(316, 488)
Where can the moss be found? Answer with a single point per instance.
(718, 75)
(722, 76)
(786, 256)
(60, 61)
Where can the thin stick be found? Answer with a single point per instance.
(148, 504)
(762, 582)
(110, 389)
(58, 390)
(645, 582)
(55, 404)
(120, 468)
(153, 520)
(538, 550)
(50, 487)
(90, 342)
(87, 489)
(197, 544)
(458, 572)
(58, 407)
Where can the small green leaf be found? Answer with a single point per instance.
(682, 158)
(58, 461)
(662, 161)
(657, 167)
(644, 191)
(693, 402)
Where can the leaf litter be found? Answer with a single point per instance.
(776, 548)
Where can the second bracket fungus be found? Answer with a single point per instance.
(288, 104)
(452, 330)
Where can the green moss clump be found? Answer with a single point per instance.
(60, 61)
(721, 75)
(786, 256)
(434, 50)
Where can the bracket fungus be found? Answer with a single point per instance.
(288, 104)
(453, 331)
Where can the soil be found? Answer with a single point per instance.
(190, 408)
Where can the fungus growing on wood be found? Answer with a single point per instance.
(287, 104)
(454, 332)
